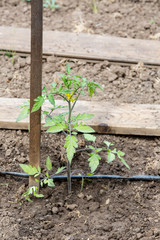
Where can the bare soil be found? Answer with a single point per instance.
(104, 209)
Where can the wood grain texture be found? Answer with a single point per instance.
(85, 46)
(112, 118)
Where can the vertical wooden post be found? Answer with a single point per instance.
(35, 83)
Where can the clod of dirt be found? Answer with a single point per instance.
(8, 152)
(112, 77)
(21, 190)
(54, 210)
(71, 207)
(94, 206)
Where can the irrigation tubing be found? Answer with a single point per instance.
(64, 177)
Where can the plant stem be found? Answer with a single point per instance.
(75, 100)
(69, 177)
(68, 163)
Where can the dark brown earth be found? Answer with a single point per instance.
(105, 209)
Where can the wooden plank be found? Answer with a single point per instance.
(85, 46)
(110, 118)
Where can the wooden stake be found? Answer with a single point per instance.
(35, 83)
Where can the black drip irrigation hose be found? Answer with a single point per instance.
(63, 177)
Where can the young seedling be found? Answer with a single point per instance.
(47, 3)
(94, 6)
(11, 54)
(50, 4)
(47, 180)
(70, 89)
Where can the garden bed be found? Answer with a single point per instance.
(105, 209)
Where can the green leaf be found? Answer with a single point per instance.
(84, 129)
(48, 164)
(51, 183)
(91, 147)
(74, 133)
(120, 154)
(110, 157)
(39, 169)
(70, 145)
(108, 144)
(55, 129)
(68, 69)
(89, 174)
(36, 175)
(124, 162)
(38, 103)
(90, 90)
(29, 169)
(54, 85)
(38, 195)
(49, 123)
(90, 137)
(45, 181)
(41, 183)
(47, 174)
(51, 99)
(84, 116)
(98, 149)
(23, 114)
(59, 170)
(114, 150)
(44, 89)
(28, 199)
(94, 161)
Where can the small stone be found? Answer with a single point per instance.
(71, 206)
(137, 230)
(158, 72)
(139, 235)
(8, 152)
(89, 197)
(101, 191)
(105, 64)
(25, 141)
(19, 220)
(22, 160)
(25, 9)
(144, 76)
(54, 210)
(152, 73)
(19, 132)
(69, 238)
(21, 62)
(81, 195)
(117, 15)
(157, 232)
(28, 60)
(107, 201)
(156, 220)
